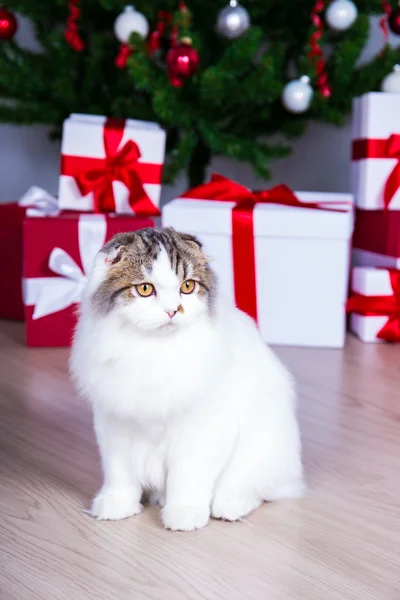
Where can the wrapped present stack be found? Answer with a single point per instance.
(110, 182)
(280, 256)
(376, 242)
(376, 179)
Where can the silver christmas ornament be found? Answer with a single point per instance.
(128, 22)
(391, 83)
(341, 14)
(233, 20)
(297, 95)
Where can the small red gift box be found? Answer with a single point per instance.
(377, 238)
(11, 220)
(58, 254)
(35, 202)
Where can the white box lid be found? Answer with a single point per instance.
(99, 119)
(270, 220)
(376, 115)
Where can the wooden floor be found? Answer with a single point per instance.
(342, 541)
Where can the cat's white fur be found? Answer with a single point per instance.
(195, 410)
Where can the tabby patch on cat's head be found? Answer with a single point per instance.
(155, 279)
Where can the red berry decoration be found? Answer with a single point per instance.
(182, 61)
(394, 21)
(8, 24)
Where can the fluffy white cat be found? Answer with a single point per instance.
(190, 406)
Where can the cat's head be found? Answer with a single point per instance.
(155, 279)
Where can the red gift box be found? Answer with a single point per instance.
(378, 231)
(58, 253)
(11, 221)
(376, 241)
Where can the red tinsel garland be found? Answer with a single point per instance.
(164, 19)
(71, 32)
(122, 57)
(383, 22)
(315, 54)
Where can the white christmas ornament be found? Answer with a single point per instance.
(341, 14)
(128, 22)
(391, 83)
(233, 20)
(297, 95)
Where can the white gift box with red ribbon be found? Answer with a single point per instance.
(280, 256)
(374, 304)
(111, 165)
(376, 151)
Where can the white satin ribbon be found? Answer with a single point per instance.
(52, 294)
(39, 203)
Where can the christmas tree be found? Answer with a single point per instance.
(217, 90)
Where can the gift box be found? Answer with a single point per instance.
(11, 220)
(58, 254)
(376, 239)
(111, 165)
(36, 201)
(281, 257)
(376, 151)
(375, 304)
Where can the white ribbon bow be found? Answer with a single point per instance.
(39, 203)
(52, 294)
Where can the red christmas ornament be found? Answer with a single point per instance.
(394, 20)
(8, 24)
(182, 61)
(175, 80)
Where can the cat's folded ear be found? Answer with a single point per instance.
(192, 240)
(114, 255)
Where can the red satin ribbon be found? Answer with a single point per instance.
(223, 189)
(96, 175)
(381, 306)
(378, 148)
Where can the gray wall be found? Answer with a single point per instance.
(320, 160)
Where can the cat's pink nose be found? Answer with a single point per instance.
(171, 313)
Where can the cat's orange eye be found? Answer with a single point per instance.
(188, 286)
(145, 289)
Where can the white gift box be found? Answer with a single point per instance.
(369, 281)
(301, 259)
(130, 158)
(375, 132)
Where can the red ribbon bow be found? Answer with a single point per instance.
(96, 175)
(377, 148)
(374, 306)
(223, 189)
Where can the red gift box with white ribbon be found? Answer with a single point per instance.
(111, 165)
(12, 215)
(58, 255)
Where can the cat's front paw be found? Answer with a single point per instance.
(114, 504)
(185, 518)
